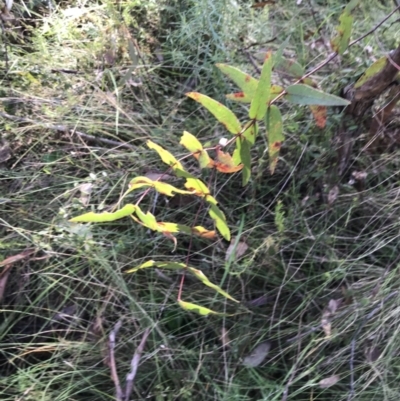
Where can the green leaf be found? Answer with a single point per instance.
(290, 67)
(200, 275)
(274, 135)
(204, 159)
(341, 41)
(201, 310)
(278, 56)
(219, 111)
(166, 156)
(373, 70)
(245, 158)
(220, 221)
(190, 142)
(259, 104)
(244, 81)
(306, 95)
(251, 133)
(92, 217)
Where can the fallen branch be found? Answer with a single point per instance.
(120, 393)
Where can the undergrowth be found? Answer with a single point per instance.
(318, 282)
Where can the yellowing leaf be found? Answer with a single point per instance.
(147, 219)
(161, 265)
(275, 135)
(166, 156)
(220, 221)
(204, 233)
(92, 217)
(244, 81)
(239, 97)
(199, 188)
(200, 275)
(319, 113)
(190, 142)
(259, 104)
(219, 111)
(225, 163)
(161, 187)
(201, 310)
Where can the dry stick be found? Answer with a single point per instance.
(114, 374)
(64, 128)
(134, 365)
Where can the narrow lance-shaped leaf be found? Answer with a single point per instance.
(176, 265)
(149, 221)
(92, 217)
(245, 157)
(275, 135)
(259, 104)
(200, 275)
(220, 221)
(244, 81)
(341, 41)
(161, 187)
(306, 95)
(219, 111)
(201, 310)
(166, 156)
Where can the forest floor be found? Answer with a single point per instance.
(83, 86)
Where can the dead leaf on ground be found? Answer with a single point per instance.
(333, 194)
(3, 282)
(237, 250)
(257, 355)
(329, 381)
(330, 310)
(225, 338)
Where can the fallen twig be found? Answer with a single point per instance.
(134, 365)
(114, 374)
(124, 394)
